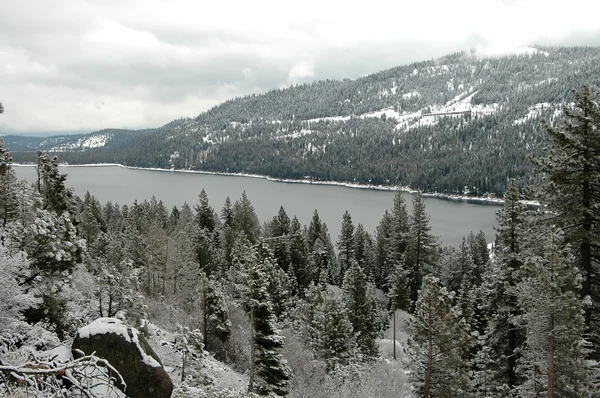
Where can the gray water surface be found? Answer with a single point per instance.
(450, 221)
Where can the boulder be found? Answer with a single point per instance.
(128, 352)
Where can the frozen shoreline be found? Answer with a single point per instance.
(455, 198)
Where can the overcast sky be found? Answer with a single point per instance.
(86, 65)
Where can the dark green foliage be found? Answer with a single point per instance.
(325, 327)
(217, 314)
(51, 185)
(571, 164)
(441, 341)
(245, 219)
(421, 249)
(363, 311)
(504, 336)
(53, 310)
(205, 215)
(345, 246)
(270, 367)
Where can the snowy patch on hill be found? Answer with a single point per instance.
(535, 111)
(89, 142)
(96, 141)
(410, 95)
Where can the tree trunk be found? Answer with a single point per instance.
(394, 334)
(252, 353)
(551, 342)
(429, 355)
(204, 315)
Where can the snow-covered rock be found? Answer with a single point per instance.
(129, 352)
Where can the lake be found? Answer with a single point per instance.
(450, 220)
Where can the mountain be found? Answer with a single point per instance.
(96, 145)
(461, 123)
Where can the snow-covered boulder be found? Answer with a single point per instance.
(129, 352)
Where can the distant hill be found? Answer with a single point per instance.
(461, 123)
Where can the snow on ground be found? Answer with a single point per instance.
(386, 344)
(388, 112)
(535, 111)
(295, 134)
(411, 95)
(95, 141)
(528, 51)
(212, 372)
(550, 80)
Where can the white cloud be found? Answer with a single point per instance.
(301, 71)
(91, 65)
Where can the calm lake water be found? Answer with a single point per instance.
(450, 221)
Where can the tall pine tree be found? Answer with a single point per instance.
(571, 190)
(421, 249)
(553, 362)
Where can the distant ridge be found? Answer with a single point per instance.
(460, 124)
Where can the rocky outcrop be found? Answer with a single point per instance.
(129, 352)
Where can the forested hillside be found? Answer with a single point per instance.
(464, 122)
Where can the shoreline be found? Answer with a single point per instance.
(477, 200)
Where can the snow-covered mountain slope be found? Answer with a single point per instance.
(463, 122)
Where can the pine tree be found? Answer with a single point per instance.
(380, 249)
(215, 314)
(345, 245)
(298, 251)
(10, 190)
(363, 311)
(420, 254)
(399, 291)
(504, 336)
(325, 327)
(441, 340)
(205, 215)
(315, 229)
(269, 372)
(397, 230)
(51, 186)
(245, 219)
(553, 362)
(571, 191)
(227, 214)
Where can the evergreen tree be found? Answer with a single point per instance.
(504, 336)
(227, 214)
(215, 314)
(11, 191)
(399, 230)
(441, 340)
(553, 362)
(363, 250)
(245, 219)
(345, 245)
(380, 248)
(420, 255)
(205, 218)
(269, 372)
(315, 230)
(304, 271)
(571, 191)
(399, 291)
(325, 327)
(363, 311)
(51, 185)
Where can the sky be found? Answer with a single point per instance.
(84, 65)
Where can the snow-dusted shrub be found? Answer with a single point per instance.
(88, 376)
(186, 391)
